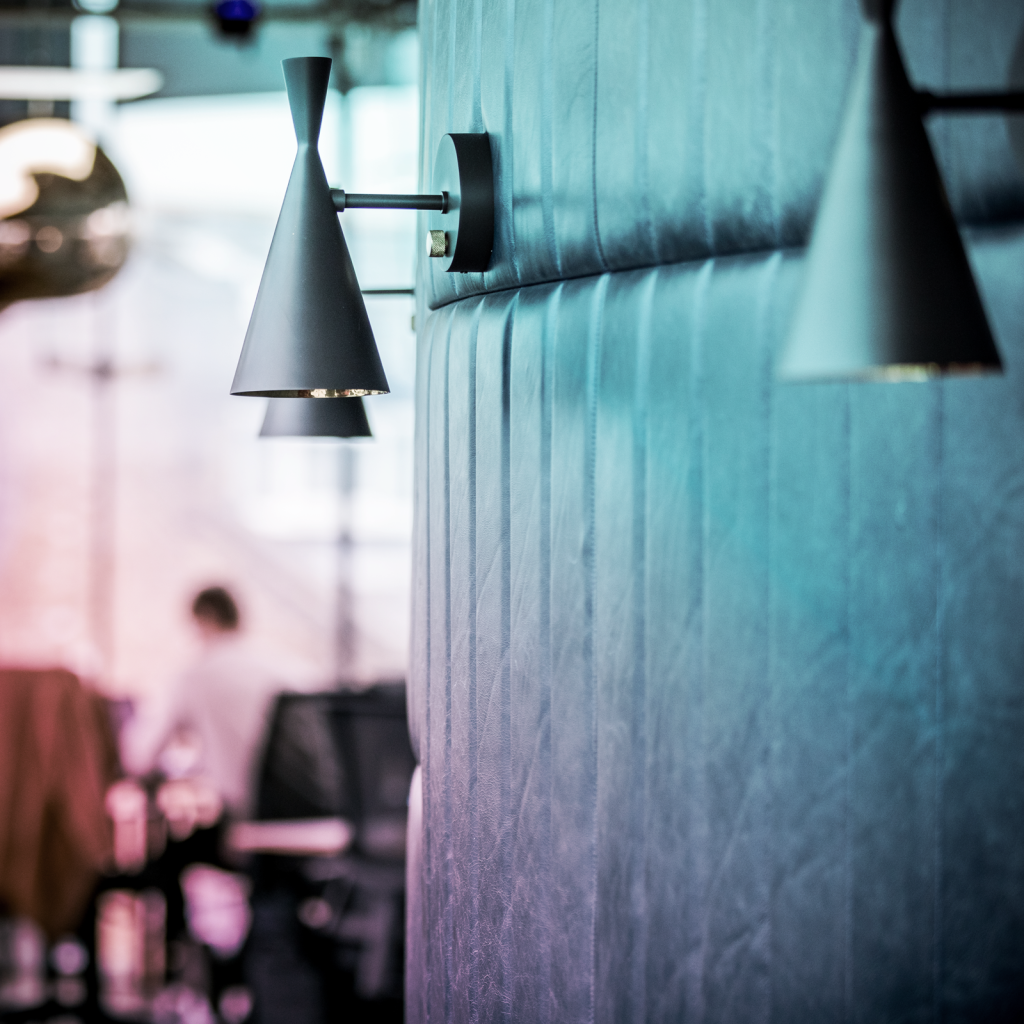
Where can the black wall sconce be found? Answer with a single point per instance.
(889, 293)
(309, 335)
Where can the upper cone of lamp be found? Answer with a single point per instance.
(309, 335)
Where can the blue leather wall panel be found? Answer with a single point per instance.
(720, 705)
(717, 683)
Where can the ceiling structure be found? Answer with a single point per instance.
(369, 40)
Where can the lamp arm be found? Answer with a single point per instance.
(371, 201)
(970, 102)
(461, 223)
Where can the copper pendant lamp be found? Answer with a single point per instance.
(64, 218)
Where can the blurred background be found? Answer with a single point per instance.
(128, 475)
(130, 480)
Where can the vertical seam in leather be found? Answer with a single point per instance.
(700, 103)
(422, 17)
(421, 142)
(939, 674)
(477, 122)
(767, 293)
(847, 477)
(447, 919)
(412, 689)
(640, 725)
(474, 810)
(545, 840)
(453, 28)
(506, 170)
(939, 708)
(453, 25)
(700, 433)
(944, 125)
(427, 818)
(431, 138)
(593, 137)
(641, 128)
(508, 825)
(547, 151)
(593, 364)
(767, 49)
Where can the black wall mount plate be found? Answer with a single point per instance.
(463, 169)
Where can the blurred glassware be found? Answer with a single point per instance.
(235, 1004)
(128, 806)
(188, 804)
(65, 226)
(151, 906)
(180, 1004)
(22, 964)
(69, 992)
(118, 952)
(181, 754)
(217, 908)
(303, 837)
(69, 959)
(130, 949)
(315, 913)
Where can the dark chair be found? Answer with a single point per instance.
(337, 922)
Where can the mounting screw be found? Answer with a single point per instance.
(437, 243)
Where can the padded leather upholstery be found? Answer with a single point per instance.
(717, 683)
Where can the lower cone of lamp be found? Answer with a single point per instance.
(888, 293)
(315, 417)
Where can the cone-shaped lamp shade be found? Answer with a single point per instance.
(309, 335)
(888, 292)
(309, 417)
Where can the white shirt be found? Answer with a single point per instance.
(225, 699)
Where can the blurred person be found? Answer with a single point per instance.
(209, 723)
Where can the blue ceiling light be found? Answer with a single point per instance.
(236, 18)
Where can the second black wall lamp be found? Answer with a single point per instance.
(888, 292)
(309, 335)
